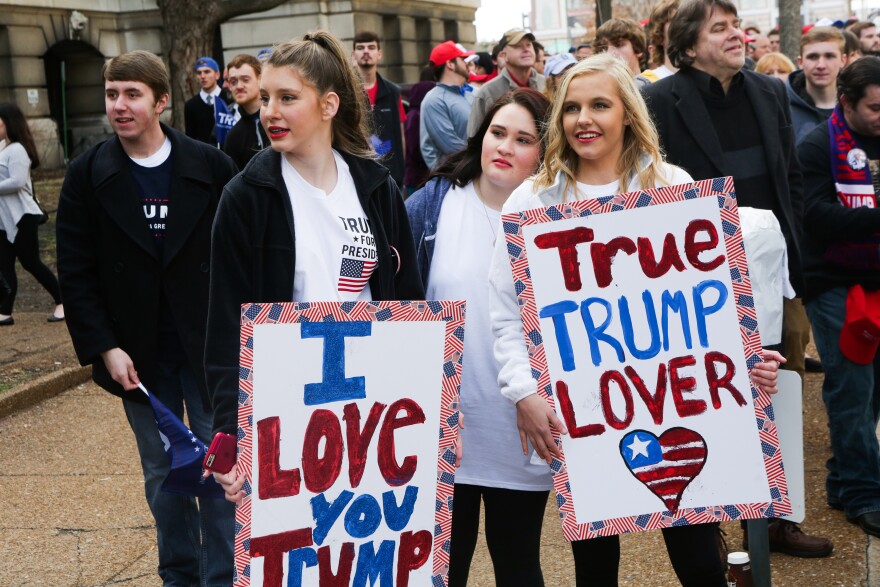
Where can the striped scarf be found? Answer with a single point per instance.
(855, 189)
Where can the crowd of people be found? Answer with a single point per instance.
(162, 235)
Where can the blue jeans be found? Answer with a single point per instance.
(851, 393)
(195, 542)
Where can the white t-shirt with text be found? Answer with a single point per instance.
(335, 249)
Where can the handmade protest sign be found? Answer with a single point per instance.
(641, 327)
(347, 416)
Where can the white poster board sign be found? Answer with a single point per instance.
(347, 415)
(640, 320)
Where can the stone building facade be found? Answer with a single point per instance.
(52, 52)
(559, 24)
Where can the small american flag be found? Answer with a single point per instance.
(354, 274)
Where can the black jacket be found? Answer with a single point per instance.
(827, 222)
(198, 118)
(387, 123)
(253, 259)
(109, 267)
(688, 138)
(241, 142)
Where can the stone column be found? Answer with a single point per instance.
(21, 49)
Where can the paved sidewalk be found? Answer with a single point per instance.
(73, 508)
(74, 512)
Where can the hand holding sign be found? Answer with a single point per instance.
(536, 421)
(765, 374)
(232, 483)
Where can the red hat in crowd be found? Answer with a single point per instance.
(446, 52)
(860, 335)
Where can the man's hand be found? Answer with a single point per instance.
(535, 418)
(121, 369)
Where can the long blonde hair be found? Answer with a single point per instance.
(639, 137)
(322, 61)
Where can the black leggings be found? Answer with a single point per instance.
(693, 551)
(26, 249)
(513, 534)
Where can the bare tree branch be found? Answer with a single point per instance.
(228, 9)
(188, 29)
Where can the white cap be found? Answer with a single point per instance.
(558, 63)
(737, 558)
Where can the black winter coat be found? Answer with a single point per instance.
(253, 259)
(689, 140)
(109, 266)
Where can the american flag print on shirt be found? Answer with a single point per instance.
(666, 464)
(354, 274)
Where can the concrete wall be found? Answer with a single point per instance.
(34, 32)
(408, 28)
(28, 33)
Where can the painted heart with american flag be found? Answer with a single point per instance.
(666, 464)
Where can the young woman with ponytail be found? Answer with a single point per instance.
(286, 224)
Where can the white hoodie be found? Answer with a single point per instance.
(515, 378)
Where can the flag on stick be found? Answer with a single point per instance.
(186, 453)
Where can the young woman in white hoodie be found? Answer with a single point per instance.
(600, 141)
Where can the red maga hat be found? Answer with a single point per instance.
(446, 52)
(860, 335)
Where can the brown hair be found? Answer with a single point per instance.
(852, 43)
(246, 59)
(321, 61)
(620, 28)
(860, 26)
(685, 27)
(366, 37)
(853, 80)
(662, 14)
(139, 66)
(464, 166)
(18, 131)
(823, 34)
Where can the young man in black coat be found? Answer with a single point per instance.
(134, 225)
(841, 160)
(716, 119)
(247, 137)
(385, 104)
(200, 111)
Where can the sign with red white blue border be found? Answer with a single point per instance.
(347, 418)
(641, 328)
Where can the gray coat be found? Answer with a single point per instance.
(16, 189)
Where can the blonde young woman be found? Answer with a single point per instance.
(601, 141)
